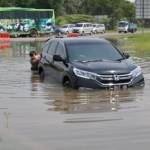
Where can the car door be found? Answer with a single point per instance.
(71, 27)
(49, 66)
(86, 28)
(60, 66)
(44, 62)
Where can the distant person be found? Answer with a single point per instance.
(34, 60)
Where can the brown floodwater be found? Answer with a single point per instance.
(37, 115)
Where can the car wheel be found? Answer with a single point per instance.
(82, 33)
(91, 33)
(68, 83)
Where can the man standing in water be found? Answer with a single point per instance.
(34, 60)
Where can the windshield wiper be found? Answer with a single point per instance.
(120, 59)
(99, 60)
(92, 60)
(96, 60)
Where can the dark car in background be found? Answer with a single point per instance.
(88, 62)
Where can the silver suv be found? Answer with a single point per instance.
(67, 28)
(98, 28)
(83, 28)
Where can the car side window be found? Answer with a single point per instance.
(45, 48)
(60, 50)
(52, 47)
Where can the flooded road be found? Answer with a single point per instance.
(37, 115)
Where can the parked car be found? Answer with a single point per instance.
(98, 28)
(83, 28)
(67, 28)
(58, 31)
(125, 26)
(88, 62)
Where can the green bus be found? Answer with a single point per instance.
(26, 21)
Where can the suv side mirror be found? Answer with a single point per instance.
(126, 55)
(57, 58)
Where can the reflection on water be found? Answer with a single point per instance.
(16, 49)
(6, 115)
(22, 49)
(87, 101)
(35, 80)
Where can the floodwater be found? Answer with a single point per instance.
(37, 115)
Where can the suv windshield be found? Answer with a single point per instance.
(79, 25)
(65, 26)
(92, 51)
(123, 24)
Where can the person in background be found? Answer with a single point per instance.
(34, 60)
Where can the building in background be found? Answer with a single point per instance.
(143, 11)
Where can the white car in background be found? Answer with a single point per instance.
(83, 28)
(98, 28)
(67, 28)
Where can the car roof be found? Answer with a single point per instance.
(84, 23)
(67, 24)
(82, 40)
(95, 23)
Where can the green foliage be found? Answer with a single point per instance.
(75, 18)
(138, 43)
(105, 20)
(114, 9)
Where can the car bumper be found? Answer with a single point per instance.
(88, 83)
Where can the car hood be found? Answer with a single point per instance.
(106, 67)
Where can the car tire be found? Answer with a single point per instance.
(82, 33)
(69, 83)
(103, 31)
(91, 33)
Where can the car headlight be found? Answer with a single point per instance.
(84, 74)
(136, 72)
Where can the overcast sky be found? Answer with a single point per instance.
(132, 0)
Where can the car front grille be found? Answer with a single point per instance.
(114, 79)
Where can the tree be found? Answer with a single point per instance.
(113, 9)
(73, 6)
(8, 3)
(130, 14)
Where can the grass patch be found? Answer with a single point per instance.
(136, 44)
